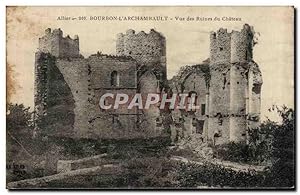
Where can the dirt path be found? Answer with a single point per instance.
(43, 181)
(227, 164)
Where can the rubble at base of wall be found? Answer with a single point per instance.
(69, 165)
(197, 146)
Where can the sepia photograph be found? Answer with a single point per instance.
(150, 97)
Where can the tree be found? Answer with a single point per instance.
(18, 118)
(282, 173)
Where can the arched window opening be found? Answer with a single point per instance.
(114, 79)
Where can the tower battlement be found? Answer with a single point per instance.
(233, 47)
(54, 43)
(146, 48)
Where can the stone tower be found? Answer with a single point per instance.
(54, 43)
(219, 88)
(50, 85)
(68, 87)
(241, 56)
(149, 50)
(231, 65)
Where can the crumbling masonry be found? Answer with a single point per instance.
(68, 88)
(228, 86)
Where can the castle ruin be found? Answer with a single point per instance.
(228, 86)
(68, 88)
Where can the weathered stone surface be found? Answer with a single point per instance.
(232, 100)
(71, 86)
(54, 43)
(68, 88)
(147, 49)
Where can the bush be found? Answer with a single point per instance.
(236, 152)
(211, 175)
(273, 142)
(150, 172)
(282, 173)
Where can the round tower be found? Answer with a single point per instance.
(238, 86)
(220, 46)
(241, 56)
(146, 48)
(241, 45)
(219, 88)
(54, 43)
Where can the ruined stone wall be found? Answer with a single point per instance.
(76, 85)
(241, 56)
(234, 101)
(69, 47)
(238, 88)
(230, 97)
(73, 89)
(53, 97)
(75, 72)
(68, 87)
(120, 123)
(254, 95)
(191, 123)
(101, 67)
(218, 130)
(54, 43)
(146, 49)
(219, 103)
(112, 124)
(149, 50)
(149, 118)
(195, 82)
(42, 61)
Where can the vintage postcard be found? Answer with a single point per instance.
(136, 97)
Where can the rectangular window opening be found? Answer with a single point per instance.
(202, 109)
